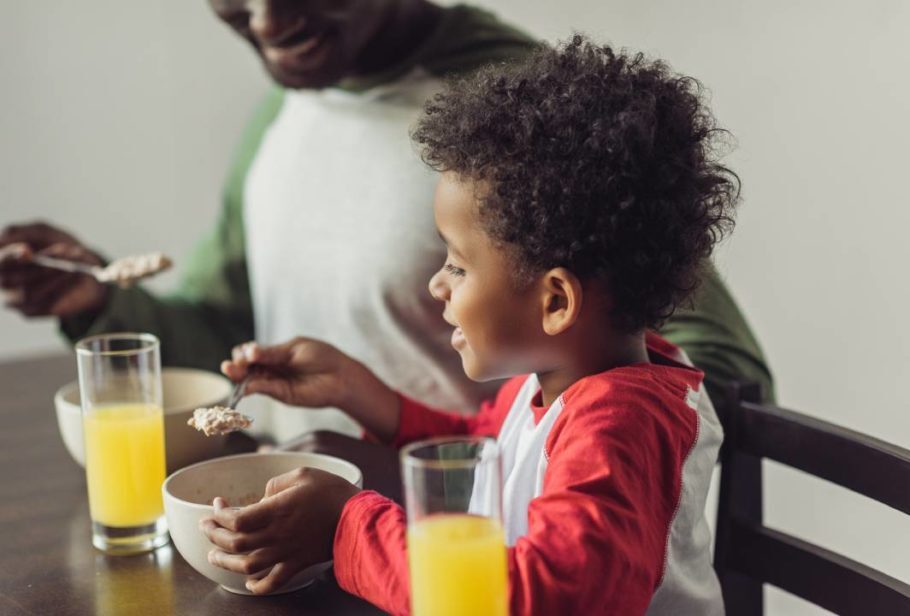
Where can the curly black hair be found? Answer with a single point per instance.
(593, 160)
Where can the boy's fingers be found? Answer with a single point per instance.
(246, 352)
(274, 387)
(251, 352)
(276, 578)
(233, 370)
(229, 541)
(276, 355)
(244, 519)
(237, 354)
(246, 564)
(280, 483)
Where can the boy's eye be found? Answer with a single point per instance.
(455, 271)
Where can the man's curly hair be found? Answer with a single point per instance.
(596, 161)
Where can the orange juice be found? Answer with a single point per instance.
(458, 566)
(124, 463)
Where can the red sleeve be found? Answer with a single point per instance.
(370, 547)
(370, 552)
(597, 534)
(418, 421)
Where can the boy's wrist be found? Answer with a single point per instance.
(369, 401)
(351, 383)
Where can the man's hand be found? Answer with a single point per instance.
(290, 529)
(40, 291)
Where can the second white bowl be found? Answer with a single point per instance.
(183, 390)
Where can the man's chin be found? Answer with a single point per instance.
(310, 80)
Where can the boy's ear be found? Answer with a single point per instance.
(561, 294)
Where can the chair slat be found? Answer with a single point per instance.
(848, 458)
(825, 578)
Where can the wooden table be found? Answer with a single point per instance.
(47, 562)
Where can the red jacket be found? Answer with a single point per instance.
(617, 525)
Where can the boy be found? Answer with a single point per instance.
(578, 202)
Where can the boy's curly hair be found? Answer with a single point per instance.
(597, 161)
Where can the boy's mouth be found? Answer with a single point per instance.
(458, 338)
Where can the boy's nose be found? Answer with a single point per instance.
(438, 288)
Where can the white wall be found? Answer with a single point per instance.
(118, 119)
(117, 122)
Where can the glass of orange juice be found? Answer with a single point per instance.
(123, 426)
(456, 545)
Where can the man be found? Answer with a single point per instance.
(327, 229)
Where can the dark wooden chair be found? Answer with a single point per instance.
(748, 554)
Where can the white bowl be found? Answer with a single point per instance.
(183, 389)
(189, 492)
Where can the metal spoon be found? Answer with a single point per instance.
(123, 271)
(238, 391)
(108, 274)
(68, 266)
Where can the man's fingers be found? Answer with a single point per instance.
(37, 300)
(27, 276)
(276, 578)
(44, 297)
(36, 234)
(70, 252)
(22, 273)
(12, 298)
(15, 252)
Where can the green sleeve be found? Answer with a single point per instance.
(211, 310)
(716, 337)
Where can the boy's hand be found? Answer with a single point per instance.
(41, 291)
(290, 529)
(302, 372)
(307, 372)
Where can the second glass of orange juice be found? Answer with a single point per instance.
(456, 544)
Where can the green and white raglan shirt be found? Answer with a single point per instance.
(327, 231)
